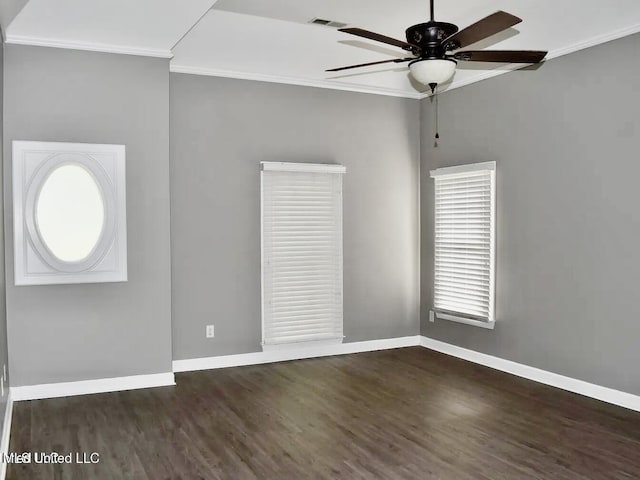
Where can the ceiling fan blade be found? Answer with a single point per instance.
(482, 29)
(379, 38)
(393, 60)
(502, 56)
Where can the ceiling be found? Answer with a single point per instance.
(272, 40)
(139, 27)
(8, 11)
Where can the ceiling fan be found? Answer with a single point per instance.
(435, 46)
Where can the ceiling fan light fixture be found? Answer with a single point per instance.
(432, 71)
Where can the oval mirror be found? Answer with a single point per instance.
(70, 212)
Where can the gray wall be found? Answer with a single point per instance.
(565, 139)
(76, 332)
(220, 131)
(3, 306)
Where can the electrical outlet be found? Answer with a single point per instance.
(432, 316)
(210, 331)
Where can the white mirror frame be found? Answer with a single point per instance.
(34, 263)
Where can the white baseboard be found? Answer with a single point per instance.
(6, 434)
(53, 390)
(293, 353)
(605, 394)
(85, 387)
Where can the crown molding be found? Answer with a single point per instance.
(559, 52)
(318, 83)
(88, 46)
(593, 41)
(305, 82)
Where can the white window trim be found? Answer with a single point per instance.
(278, 347)
(433, 314)
(302, 167)
(463, 170)
(33, 264)
(289, 167)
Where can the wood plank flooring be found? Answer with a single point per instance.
(397, 414)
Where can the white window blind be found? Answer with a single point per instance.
(464, 242)
(301, 252)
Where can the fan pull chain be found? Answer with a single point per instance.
(437, 111)
(434, 93)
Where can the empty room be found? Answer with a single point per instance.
(286, 240)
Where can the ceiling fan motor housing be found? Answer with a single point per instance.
(429, 36)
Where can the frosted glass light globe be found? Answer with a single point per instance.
(430, 71)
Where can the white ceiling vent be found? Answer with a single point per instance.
(327, 23)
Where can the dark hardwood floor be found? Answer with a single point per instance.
(398, 414)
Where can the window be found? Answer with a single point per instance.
(69, 213)
(301, 253)
(464, 282)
